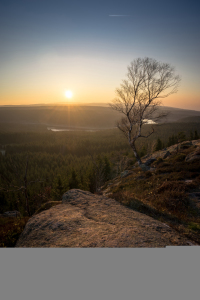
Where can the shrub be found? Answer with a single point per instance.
(122, 197)
(148, 174)
(10, 230)
(172, 186)
(174, 201)
(194, 226)
(179, 157)
(158, 161)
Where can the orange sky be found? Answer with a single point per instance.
(47, 47)
(91, 79)
(185, 100)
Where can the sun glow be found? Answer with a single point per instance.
(68, 94)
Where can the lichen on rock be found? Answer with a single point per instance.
(88, 220)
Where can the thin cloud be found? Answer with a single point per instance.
(119, 15)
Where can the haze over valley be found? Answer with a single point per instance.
(78, 116)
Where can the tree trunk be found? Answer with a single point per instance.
(136, 154)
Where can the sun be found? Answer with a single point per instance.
(68, 94)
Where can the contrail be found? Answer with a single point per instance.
(119, 15)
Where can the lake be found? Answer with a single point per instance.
(76, 129)
(89, 129)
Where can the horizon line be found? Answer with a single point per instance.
(83, 103)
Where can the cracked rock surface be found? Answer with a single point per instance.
(87, 220)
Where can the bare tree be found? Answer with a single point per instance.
(139, 97)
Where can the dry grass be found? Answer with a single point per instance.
(175, 202)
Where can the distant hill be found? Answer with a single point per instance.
(68, 116)
(78, 115)
(194, 119)
(176, 114)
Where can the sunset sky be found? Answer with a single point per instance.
(48, 47)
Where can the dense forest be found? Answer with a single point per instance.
(40, 165)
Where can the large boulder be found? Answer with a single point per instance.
(166, 154)
(195, 155)
(87, 220)
(196, 143)
(162, 154)
(184, 145)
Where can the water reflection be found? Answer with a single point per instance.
(70, 129)
(90, 129)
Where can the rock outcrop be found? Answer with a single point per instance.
(193, 155)
(164, 153)
(87, 220)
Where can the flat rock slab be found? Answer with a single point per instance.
(87, 220)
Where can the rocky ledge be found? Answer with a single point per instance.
(87, 220)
